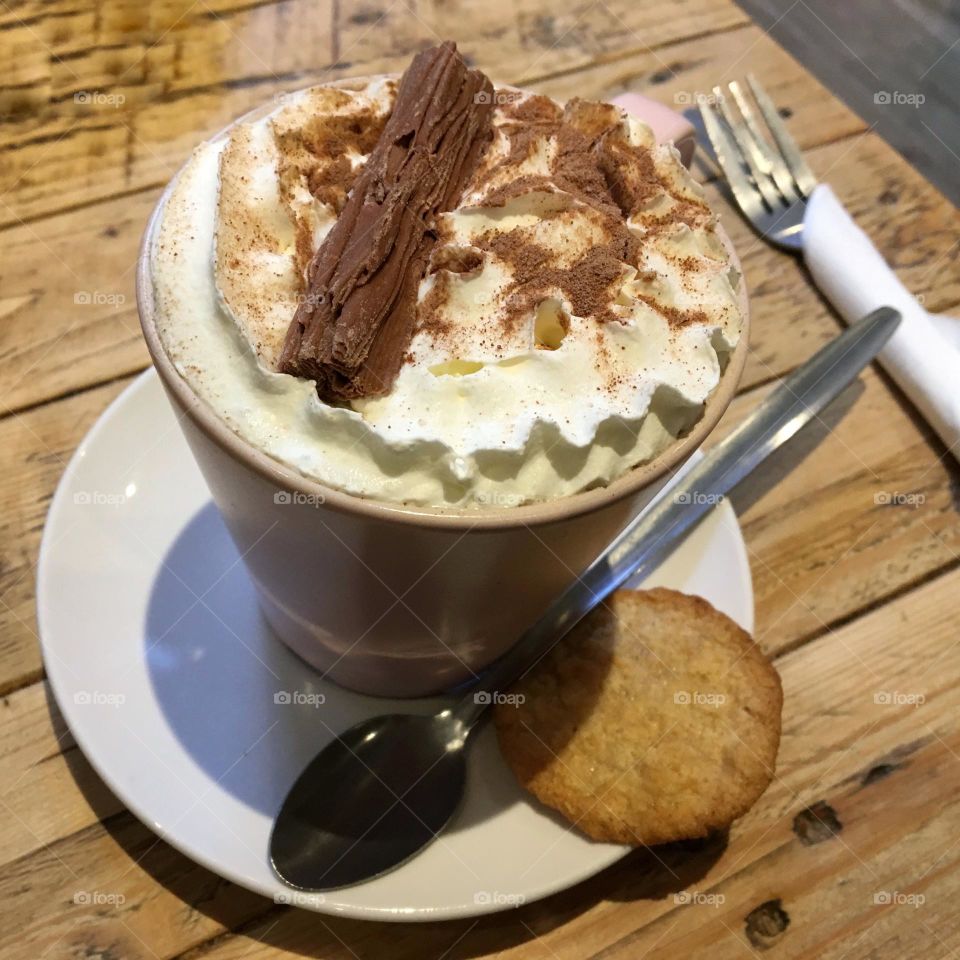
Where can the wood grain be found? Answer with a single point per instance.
(49, 791)
(859, 506)
(108, 97)
(37, 446)
(68, 313)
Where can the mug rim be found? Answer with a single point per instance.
(537, 513)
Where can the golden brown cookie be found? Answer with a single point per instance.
(655, 719)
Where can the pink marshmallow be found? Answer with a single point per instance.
(666, 124)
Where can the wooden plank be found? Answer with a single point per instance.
(68, 313)
(49, 790)
(676, 74)
(88, 126)
(51, 344)
(531, 39)
(857, 508)
(37, 446)
(120, 107)
(867, 888)
(118, 891)
(868, 728)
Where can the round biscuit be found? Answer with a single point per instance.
(657, 718)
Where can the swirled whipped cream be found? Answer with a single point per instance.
(573, 316)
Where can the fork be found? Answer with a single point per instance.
(770, 181)
(780, 197)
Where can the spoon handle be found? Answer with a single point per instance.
(641, 545)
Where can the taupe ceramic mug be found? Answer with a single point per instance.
(392, 600)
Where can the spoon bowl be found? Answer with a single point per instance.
(405, 777)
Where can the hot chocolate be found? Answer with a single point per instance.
(432, 291)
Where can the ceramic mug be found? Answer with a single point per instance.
(393, 600)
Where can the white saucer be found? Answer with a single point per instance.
(168, 675)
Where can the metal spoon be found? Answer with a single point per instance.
(383, 790)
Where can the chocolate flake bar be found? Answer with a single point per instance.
(356, 320)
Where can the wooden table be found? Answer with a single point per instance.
(857, 590)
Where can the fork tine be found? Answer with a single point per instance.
(750, 151)
(728, 156)
(772, 161)
(792, 157)
(750, 120)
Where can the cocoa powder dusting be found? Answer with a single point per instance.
(318, 153)
(594, 162)
(506, 192)
(528, 121)
(431, 316)
(574, 169)
(633, 180)
(530, 110)
(676, 317)
(455, 260)
(331, 183)
(585, 283)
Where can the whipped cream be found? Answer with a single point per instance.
(562, 337)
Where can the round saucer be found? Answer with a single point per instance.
(199, 719)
